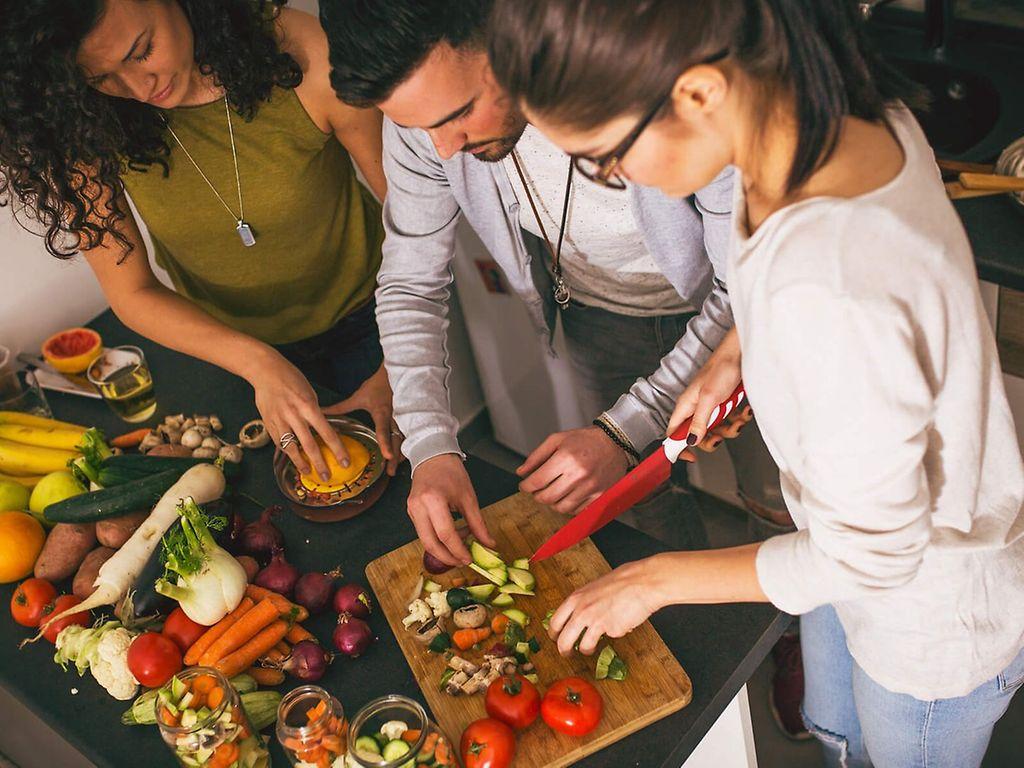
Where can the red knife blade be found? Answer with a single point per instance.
(634, 487)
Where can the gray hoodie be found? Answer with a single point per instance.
(427, 196)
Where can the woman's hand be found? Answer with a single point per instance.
(374, 397)
(288, 404)
(612, 606)
(712, 385)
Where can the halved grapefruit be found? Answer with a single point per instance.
(73, 350)
(359, 458)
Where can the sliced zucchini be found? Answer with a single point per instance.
(532, 677)
(503, 600)
(517, 616)
(432, 586)
(524, 579)
(189, 718)
(484, 557)
(487, 575)
(480, 591)
(178, 688)
(368, 745)
(500, 575)
(546, 621)
(515, 589)
(523, 563)
(395, 749)
(523, 649)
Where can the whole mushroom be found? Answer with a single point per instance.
(470, 617)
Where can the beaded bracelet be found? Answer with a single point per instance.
(632, 455)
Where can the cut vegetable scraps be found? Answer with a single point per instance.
(94, 450)
(610, 665)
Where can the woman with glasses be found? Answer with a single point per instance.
(218, 120)
(866, 353)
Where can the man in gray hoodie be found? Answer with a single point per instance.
(636, 277)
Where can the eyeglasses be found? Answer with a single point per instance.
(602, 170)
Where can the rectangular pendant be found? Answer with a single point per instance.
(246, 235)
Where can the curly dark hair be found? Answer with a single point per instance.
(64, 145)
(375, 45)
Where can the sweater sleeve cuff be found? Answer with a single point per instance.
(785, 577)
(430, 446)
(636, 423)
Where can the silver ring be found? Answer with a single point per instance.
(287, 439)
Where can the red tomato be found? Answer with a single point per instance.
(60, 605)
(488, 743)
(513, 700)
(30, 600)
(572, 706)
(153, 659)
(182, 630)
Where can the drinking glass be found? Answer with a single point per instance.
(122, 377)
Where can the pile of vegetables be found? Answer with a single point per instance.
(324, 744)
(394, 741)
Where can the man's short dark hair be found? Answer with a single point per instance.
(375, 45)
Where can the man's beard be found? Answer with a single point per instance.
(500, 148)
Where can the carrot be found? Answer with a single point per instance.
(169, 717)
(215, 697)
(225, 754)
(203, 683)
(266, 676)
(255, 619)
(283, 648)
(458, 581)
(499, 622)
(465, 639)
(246, 656)
(274, 656)
(332, 743)
(299, 633)
(314, 713)
(443, 754)
(130, 439)
(200, 646)
(288, 609)
(431, 742)
(411, 735)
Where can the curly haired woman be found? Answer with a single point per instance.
(218, 119)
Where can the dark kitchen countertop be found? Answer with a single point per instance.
(719, 646)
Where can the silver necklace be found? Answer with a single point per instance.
(245, 233)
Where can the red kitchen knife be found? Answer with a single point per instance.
(634, 487)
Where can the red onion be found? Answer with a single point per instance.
(279, 576)
(432, 565)
(500, 649)
(353, 599)
(260, 538)
(313, 591)
(250, 565)
(352, 636)
(307, 662)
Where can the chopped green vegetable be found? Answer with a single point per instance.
(523, 563)
(498, 576)
(522, 578)
(514, 634)
(532, 677)
(440, 643)
(432, 586)
(534, 645)
(480, 591)
(515, 589)
(503, 600)
(517, 616)
(367, 745)
(546, 621)
(484, 557)
(449, 673)
(610, 665)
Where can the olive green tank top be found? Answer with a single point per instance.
(318, 230)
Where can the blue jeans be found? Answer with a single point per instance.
(343, 357)
(861, 724)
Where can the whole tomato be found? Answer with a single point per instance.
(60, 605)
(182, 630)
(30, 599)
(488, 743)
(572, 706)
(153, 659)
(514, 700)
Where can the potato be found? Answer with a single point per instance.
(167, 449)
(64, 550)
(87, 572)
(115, 531)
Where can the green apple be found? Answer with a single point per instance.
(54, 487)
(13, 496)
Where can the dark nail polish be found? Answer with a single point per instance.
(691, 439)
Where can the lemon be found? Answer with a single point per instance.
(54, 487)
(13, 495)
(21, 541)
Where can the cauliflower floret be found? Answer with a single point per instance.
(438, 602)
(393, 729)
(419, 611)
(110, 664)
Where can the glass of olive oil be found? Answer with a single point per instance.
(122, 376)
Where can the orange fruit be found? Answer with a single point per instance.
(73, 350)
(21, 541)
(358, 457)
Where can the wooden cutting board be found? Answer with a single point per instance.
(655, 687)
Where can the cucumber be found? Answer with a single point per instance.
(480, 591)
(112, 502)
(524, 579)
(495, 578)
(431, 586)
(367, 745)
(484, 557)
(515, 589)
(125, 467)
(517, 616)
(523, 564)
(503, 600)
(395, 749)
(500, 575)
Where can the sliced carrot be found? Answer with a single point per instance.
(266, 676)
(198, 700)
(458, 581)
(315, 713)
(298, 633)
(290, 742)
(411, 735)
(226, 753)
(311, 755)
(465, 639)
(200, 646)
(324, 761)
(247, 655)
(215, 697)
(442, 753)
(431, 742)
(499, 622)
(332, 743)
(169, 717)
(248, 626)
(203, 683)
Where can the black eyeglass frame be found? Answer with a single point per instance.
(606, 165)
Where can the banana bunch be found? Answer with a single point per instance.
(31, 445)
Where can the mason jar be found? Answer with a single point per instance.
(395, 732)
(201, 719)
(311, 727)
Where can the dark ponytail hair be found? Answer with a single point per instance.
(581, 63)
(64, 145)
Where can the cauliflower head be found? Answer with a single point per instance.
(419, 611)
(438, 602)
(110, 664)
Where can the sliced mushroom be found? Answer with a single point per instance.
(231, 453)
(216, 423)
(429, 631)
(253, 435)
(454, 686)
(459, 664)
(470, 617)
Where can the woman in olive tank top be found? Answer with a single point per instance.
(217, 119)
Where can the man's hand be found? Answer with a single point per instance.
(374, 397)
(570, 468)
(439, 486)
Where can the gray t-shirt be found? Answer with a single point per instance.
(604, 258)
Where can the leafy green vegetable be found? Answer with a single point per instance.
(94, 450)
(177, 544)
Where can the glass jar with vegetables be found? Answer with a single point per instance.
(202, 720)
(312, 729)
(395, 732)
